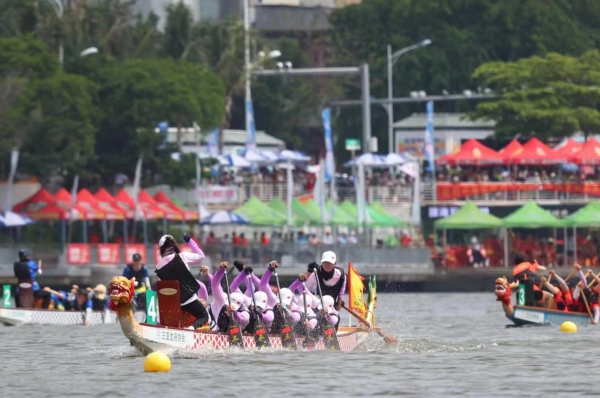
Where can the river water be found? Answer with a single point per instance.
(450, 345)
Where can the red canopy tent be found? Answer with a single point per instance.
(589, 153)
(89, 201)
(79, 212)
(170, 213)
(189, 215)
(106, 199)
(569, 148)
(508, 151)
(471, 152)
(536, 152)
(42, 206)
(149, 212)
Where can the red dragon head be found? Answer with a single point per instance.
(504, 289)
(121, 291)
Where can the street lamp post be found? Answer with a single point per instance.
(391, 61)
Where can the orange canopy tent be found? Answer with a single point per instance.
(535, 151)
(471, 152)
(589, 153)
(189, 215)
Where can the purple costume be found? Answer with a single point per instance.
(202, 292)
(220, 300)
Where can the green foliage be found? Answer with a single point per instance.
(553, 96)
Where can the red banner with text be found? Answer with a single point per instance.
(78, 253)
(109, 253)
(135, 248)
(449, 191)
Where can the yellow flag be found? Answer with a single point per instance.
(356, 288)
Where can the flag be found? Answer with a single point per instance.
(212, 146)
(198, 182)
(429, 151)
(329, 161)
(356, 289)
(14, 160)
(72, 212)
(136, 187)
(250, 127)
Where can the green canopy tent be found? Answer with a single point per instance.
(258, 213)
(375, 218)
(587, 216)
(304, 212)
(530, 215)
(340, 216)
(280, 207)
(469, 216)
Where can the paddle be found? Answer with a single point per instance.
(587, 306)
(288, 337)
(261, 336)
(309, 342)
(328, 329)
(389, 339)
(234, 332)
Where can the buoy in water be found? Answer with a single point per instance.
(157, 362)
(568, 327)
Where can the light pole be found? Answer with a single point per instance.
(391, 61)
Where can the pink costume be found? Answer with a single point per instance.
(202, 292)
(220, 299)
(267, 316)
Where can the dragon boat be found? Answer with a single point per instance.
(148, 337)
(11, 316)
(522, 314)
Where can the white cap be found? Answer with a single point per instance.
(308, 302)
(163, 239)
(260, 298)
(329, 257)
(286, 296)
(328, 303)
(237, 300)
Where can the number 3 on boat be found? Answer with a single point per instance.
(152, 307)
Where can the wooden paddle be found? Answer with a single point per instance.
(261, 335)
(587, 306)
(234, 332)
(288, 337)
(389, 339)
(328, 328)
(309, 343)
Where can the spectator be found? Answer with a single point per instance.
(405, 240)
(352, 240)
(328, 238)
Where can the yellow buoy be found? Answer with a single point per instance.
(568, 327)
(157, 362)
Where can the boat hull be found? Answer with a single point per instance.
(149, 338)
(541, 316)
(21, 316)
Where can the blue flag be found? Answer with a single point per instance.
(329, 162)
(429, 149)
(212, 145)
(251, 142)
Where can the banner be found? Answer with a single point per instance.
(356, 289)
(133, 248)
(429, 149)
(136, 188)
(217, 194)
(78, 254)
(14, 160)
(212, 145)
(250, 127)
(329, 162)
(451, 191)
(109, 253)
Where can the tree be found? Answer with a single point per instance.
(553, 96)
(465, 34)
(178, 30)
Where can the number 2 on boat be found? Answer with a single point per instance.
(6, 296)
(151, 306)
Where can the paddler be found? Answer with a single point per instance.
(202, 292)
(259, 310)
(26, 270)
(174, 267)
(220, 307)
(331, 278)
(524, 270)
(563, 299)
(138, 271)
(82, 302)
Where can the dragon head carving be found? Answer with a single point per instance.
(504, 289)
(121, 291)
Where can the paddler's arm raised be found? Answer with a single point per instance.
(205, 271)
(218, 294)
(194, 246)
(264, 283)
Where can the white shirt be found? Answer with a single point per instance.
(328, 239)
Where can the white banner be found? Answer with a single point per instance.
(217, 194)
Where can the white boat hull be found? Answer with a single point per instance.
(21, 316)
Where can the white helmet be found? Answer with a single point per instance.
(237, 300)
(260, 298)
(308, 302)
(328, 303)
(286, 296)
